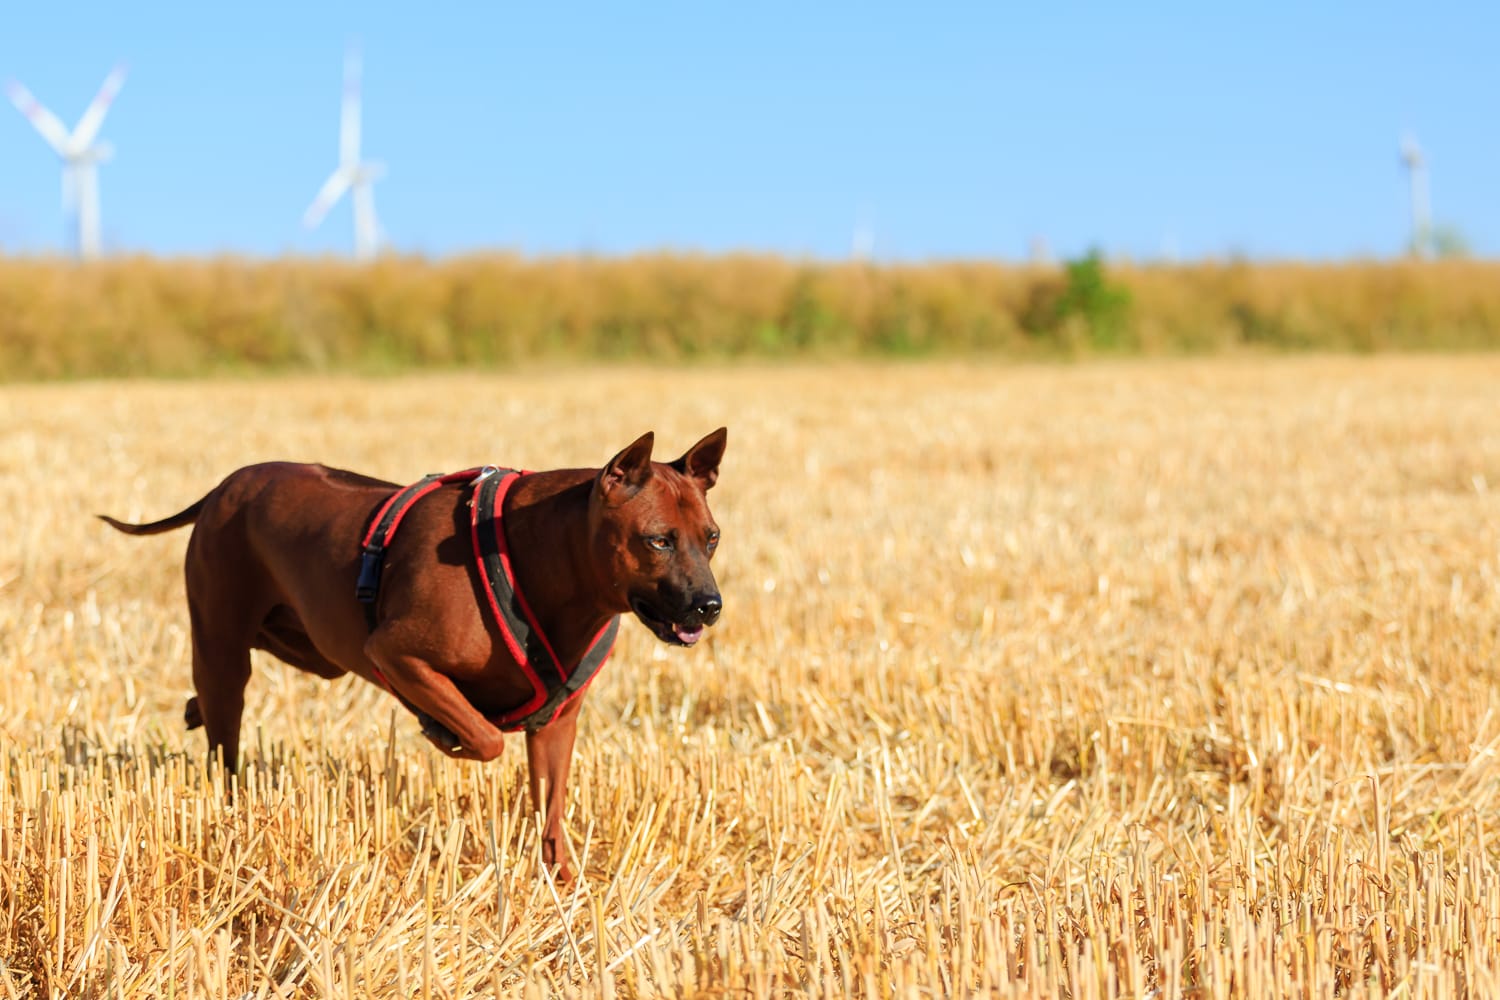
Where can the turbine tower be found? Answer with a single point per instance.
(79, 153)
(352, 173)
(1421, 219)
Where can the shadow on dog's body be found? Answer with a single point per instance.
(275, 552)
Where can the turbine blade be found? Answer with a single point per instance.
(41, 119)
(349, 111)
(332, 190)
(88, 126)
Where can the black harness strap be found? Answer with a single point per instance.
(553, 685)
(382, 528)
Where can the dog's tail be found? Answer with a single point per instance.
(178, 520)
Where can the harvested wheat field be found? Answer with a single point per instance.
(1168, 679)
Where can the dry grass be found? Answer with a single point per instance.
(1151, 679)
(144, 316)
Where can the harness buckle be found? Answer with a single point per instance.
(368, 584)
(484, 473)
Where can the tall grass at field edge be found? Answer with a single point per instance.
(142, 315)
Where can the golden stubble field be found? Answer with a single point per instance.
(1138, 679)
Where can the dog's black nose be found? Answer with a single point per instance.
(707, 608)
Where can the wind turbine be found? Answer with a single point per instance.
(1416, 171)
(352, 172)
(79, 153)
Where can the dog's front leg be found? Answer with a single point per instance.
(549, 755)
(460, 730)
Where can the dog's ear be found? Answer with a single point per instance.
(702, 460)
(624, 475)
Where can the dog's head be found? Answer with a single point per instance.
(653, 536)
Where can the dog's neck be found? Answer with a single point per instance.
(546, 514)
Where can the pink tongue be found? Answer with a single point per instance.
(688, 636)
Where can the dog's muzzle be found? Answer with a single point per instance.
(685, 627)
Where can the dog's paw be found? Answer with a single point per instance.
(438, 733)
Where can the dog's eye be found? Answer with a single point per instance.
(661, 543)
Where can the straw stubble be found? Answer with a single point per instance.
(1032, 681)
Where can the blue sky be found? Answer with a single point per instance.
(951, 130)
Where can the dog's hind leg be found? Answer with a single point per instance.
(221, 669)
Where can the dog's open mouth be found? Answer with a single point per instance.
(672, 633)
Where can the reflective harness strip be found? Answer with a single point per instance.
(553, 685)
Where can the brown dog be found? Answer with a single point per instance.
(276, 551)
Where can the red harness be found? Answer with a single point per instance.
(553, 685)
